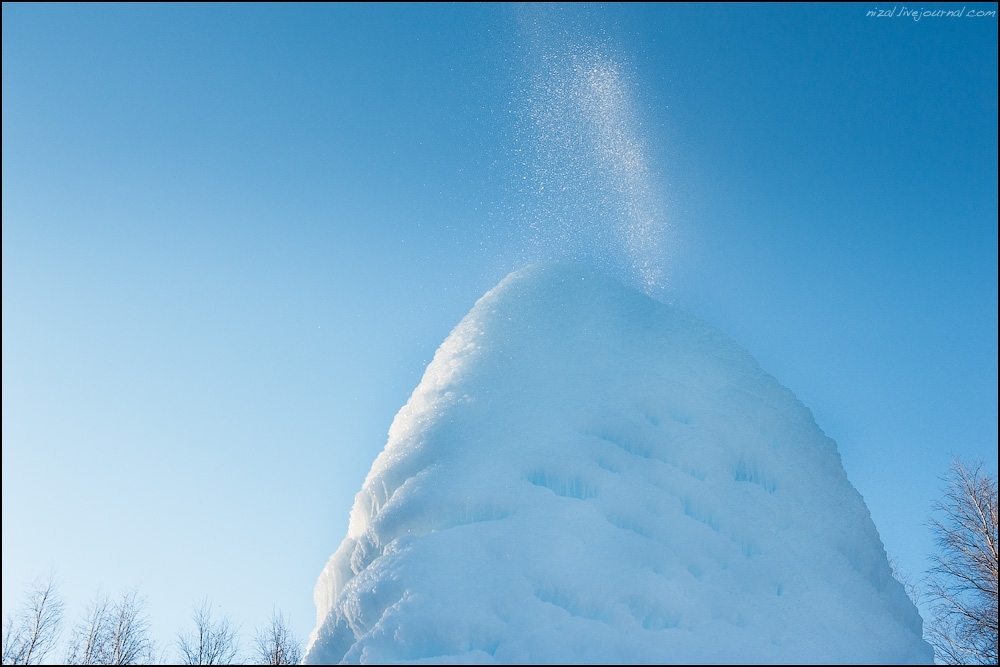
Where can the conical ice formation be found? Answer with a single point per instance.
(585, 474)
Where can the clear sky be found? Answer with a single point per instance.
(233, 237)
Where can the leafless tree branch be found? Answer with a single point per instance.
(213, 642)
(963, 582)
(29, 635)
(275, 644)
(113, 633)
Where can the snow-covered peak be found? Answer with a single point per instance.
(585, 474)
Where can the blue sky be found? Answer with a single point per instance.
(233, 237)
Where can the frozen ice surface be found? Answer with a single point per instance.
(585, 474)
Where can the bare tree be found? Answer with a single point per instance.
(213, 642)
(275, 644)
(86, 644)
(910, 585)
(963, 582)
(113, 633)
(29, 635)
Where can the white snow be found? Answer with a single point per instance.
(585, 474)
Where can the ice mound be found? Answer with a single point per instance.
(585, 474)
